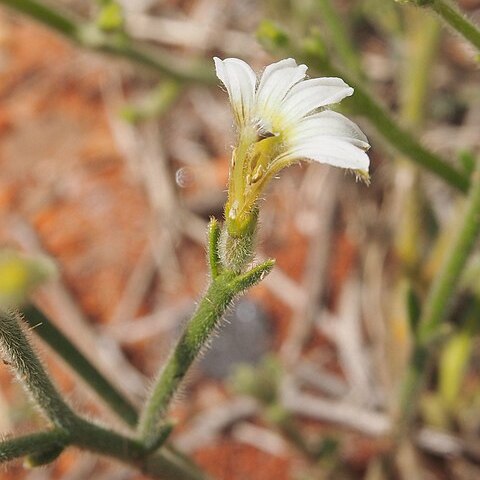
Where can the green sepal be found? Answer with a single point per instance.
(237, 251)
(213, 243)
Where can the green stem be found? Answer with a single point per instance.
(435, 309)
(61, 345)
(457, 21)
(34, 443)
(167, 460)
(74, 430)
(224, 287)
(410, 388)
(87, 35)
(203, 323)
(362, 103)
(423, 40)
(103, 441)
(340, 37)
(436, 305)
(50, 17)
(18, 353)
(169, 465)
(99, 440)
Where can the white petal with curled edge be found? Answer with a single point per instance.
(240, 81)
(332, 151)
(311, 94)
(277, 79)
(328, 124)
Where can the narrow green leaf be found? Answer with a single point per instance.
(253, 276)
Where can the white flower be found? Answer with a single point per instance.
(281, 119)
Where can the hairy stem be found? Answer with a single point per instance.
(224, 287)
(18, 353)
(457, 20)
(99, 440)
(205, 320)
(61, 345)
(167, 465)
(75, 430)
(47, 331)
(12, 448)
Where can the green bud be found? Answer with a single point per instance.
(153, 104)
(259, 381)
(20, 275)
(90, 36)
(110, 17)
(314, 45)
(271, 36)
(277, 414)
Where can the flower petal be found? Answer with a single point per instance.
(240, 81)
(277, 79)
(328, 124)
(311, 94)
(332, 151)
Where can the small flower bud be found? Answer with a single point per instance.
(271, 35)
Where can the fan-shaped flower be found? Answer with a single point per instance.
(281, 119)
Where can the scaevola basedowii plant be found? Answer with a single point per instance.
(280, 119)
